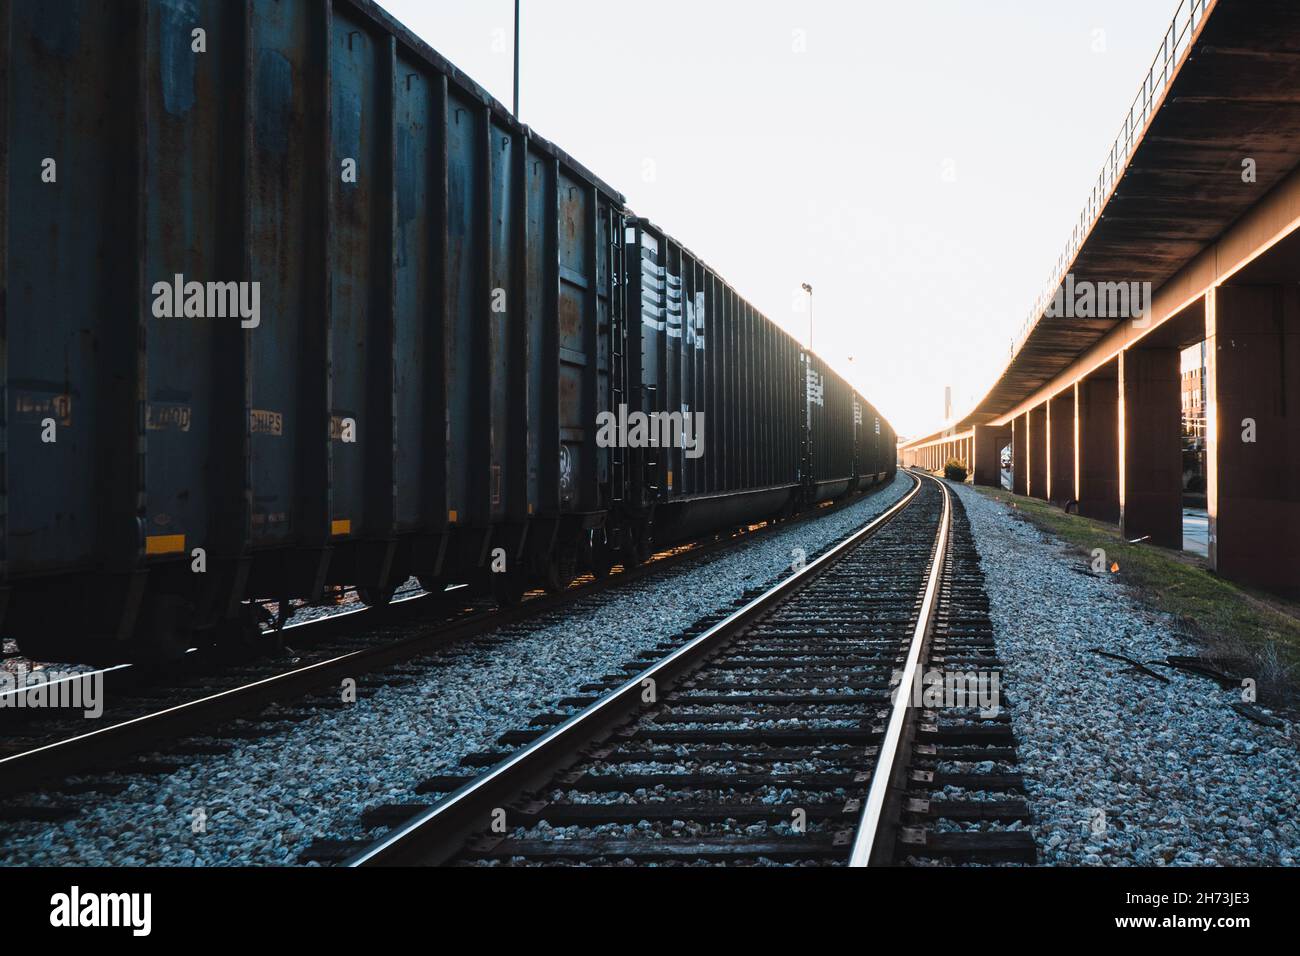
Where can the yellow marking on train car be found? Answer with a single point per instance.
(670, 479)
(341, 527)
(452, 517)
(530, 507)
(164, 543)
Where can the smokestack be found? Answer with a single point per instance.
(947, 403)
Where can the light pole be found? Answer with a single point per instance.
(516, 59)
(807, 288)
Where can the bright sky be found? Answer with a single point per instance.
(919, 162)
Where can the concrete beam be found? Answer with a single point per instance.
(1253, 452)
(1097, 444)
(1151, 456)
(1060, 447)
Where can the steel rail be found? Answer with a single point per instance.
(436, 835)
(871, 843)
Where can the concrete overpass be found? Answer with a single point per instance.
(1200, 197)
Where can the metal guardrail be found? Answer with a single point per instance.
(1187, 18)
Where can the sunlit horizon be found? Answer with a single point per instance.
(925, 199)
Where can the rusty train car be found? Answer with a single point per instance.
(288, 302)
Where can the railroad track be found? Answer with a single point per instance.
(187, 712)
(776, 736)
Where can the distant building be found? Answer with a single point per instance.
(1193, 398)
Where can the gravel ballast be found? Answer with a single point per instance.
(267, 800)
(1122, 769)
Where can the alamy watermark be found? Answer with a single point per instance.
(625, 429)
(179, 299)
(935, 689)
(1100, 300)
(75, 909)
(48, 689)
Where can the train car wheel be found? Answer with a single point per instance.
(432, 585)
(241, 638)
(601, 557)
(561, 571)
(166, 635)
(508, 588)
(636, 547)
(376, 597)
(629, 555)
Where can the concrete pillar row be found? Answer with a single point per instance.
(1253, 446)
(1151, 457)
(1037, 440)
(1096, 410)
(1060, 447)
(1020, 455)
(986, 455)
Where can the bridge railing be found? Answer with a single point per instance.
(1177, 39)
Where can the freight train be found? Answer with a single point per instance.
(289, 303)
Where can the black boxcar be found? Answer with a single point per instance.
(771, 428)
(698, 350)
(433, 286)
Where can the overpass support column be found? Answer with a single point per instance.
(1060, 447)
(1253, 453)
(1020, 455)
(1151, 456)
(986, 455)
(1038, 452)
(1096, 409)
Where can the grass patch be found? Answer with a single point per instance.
(1231, 621)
